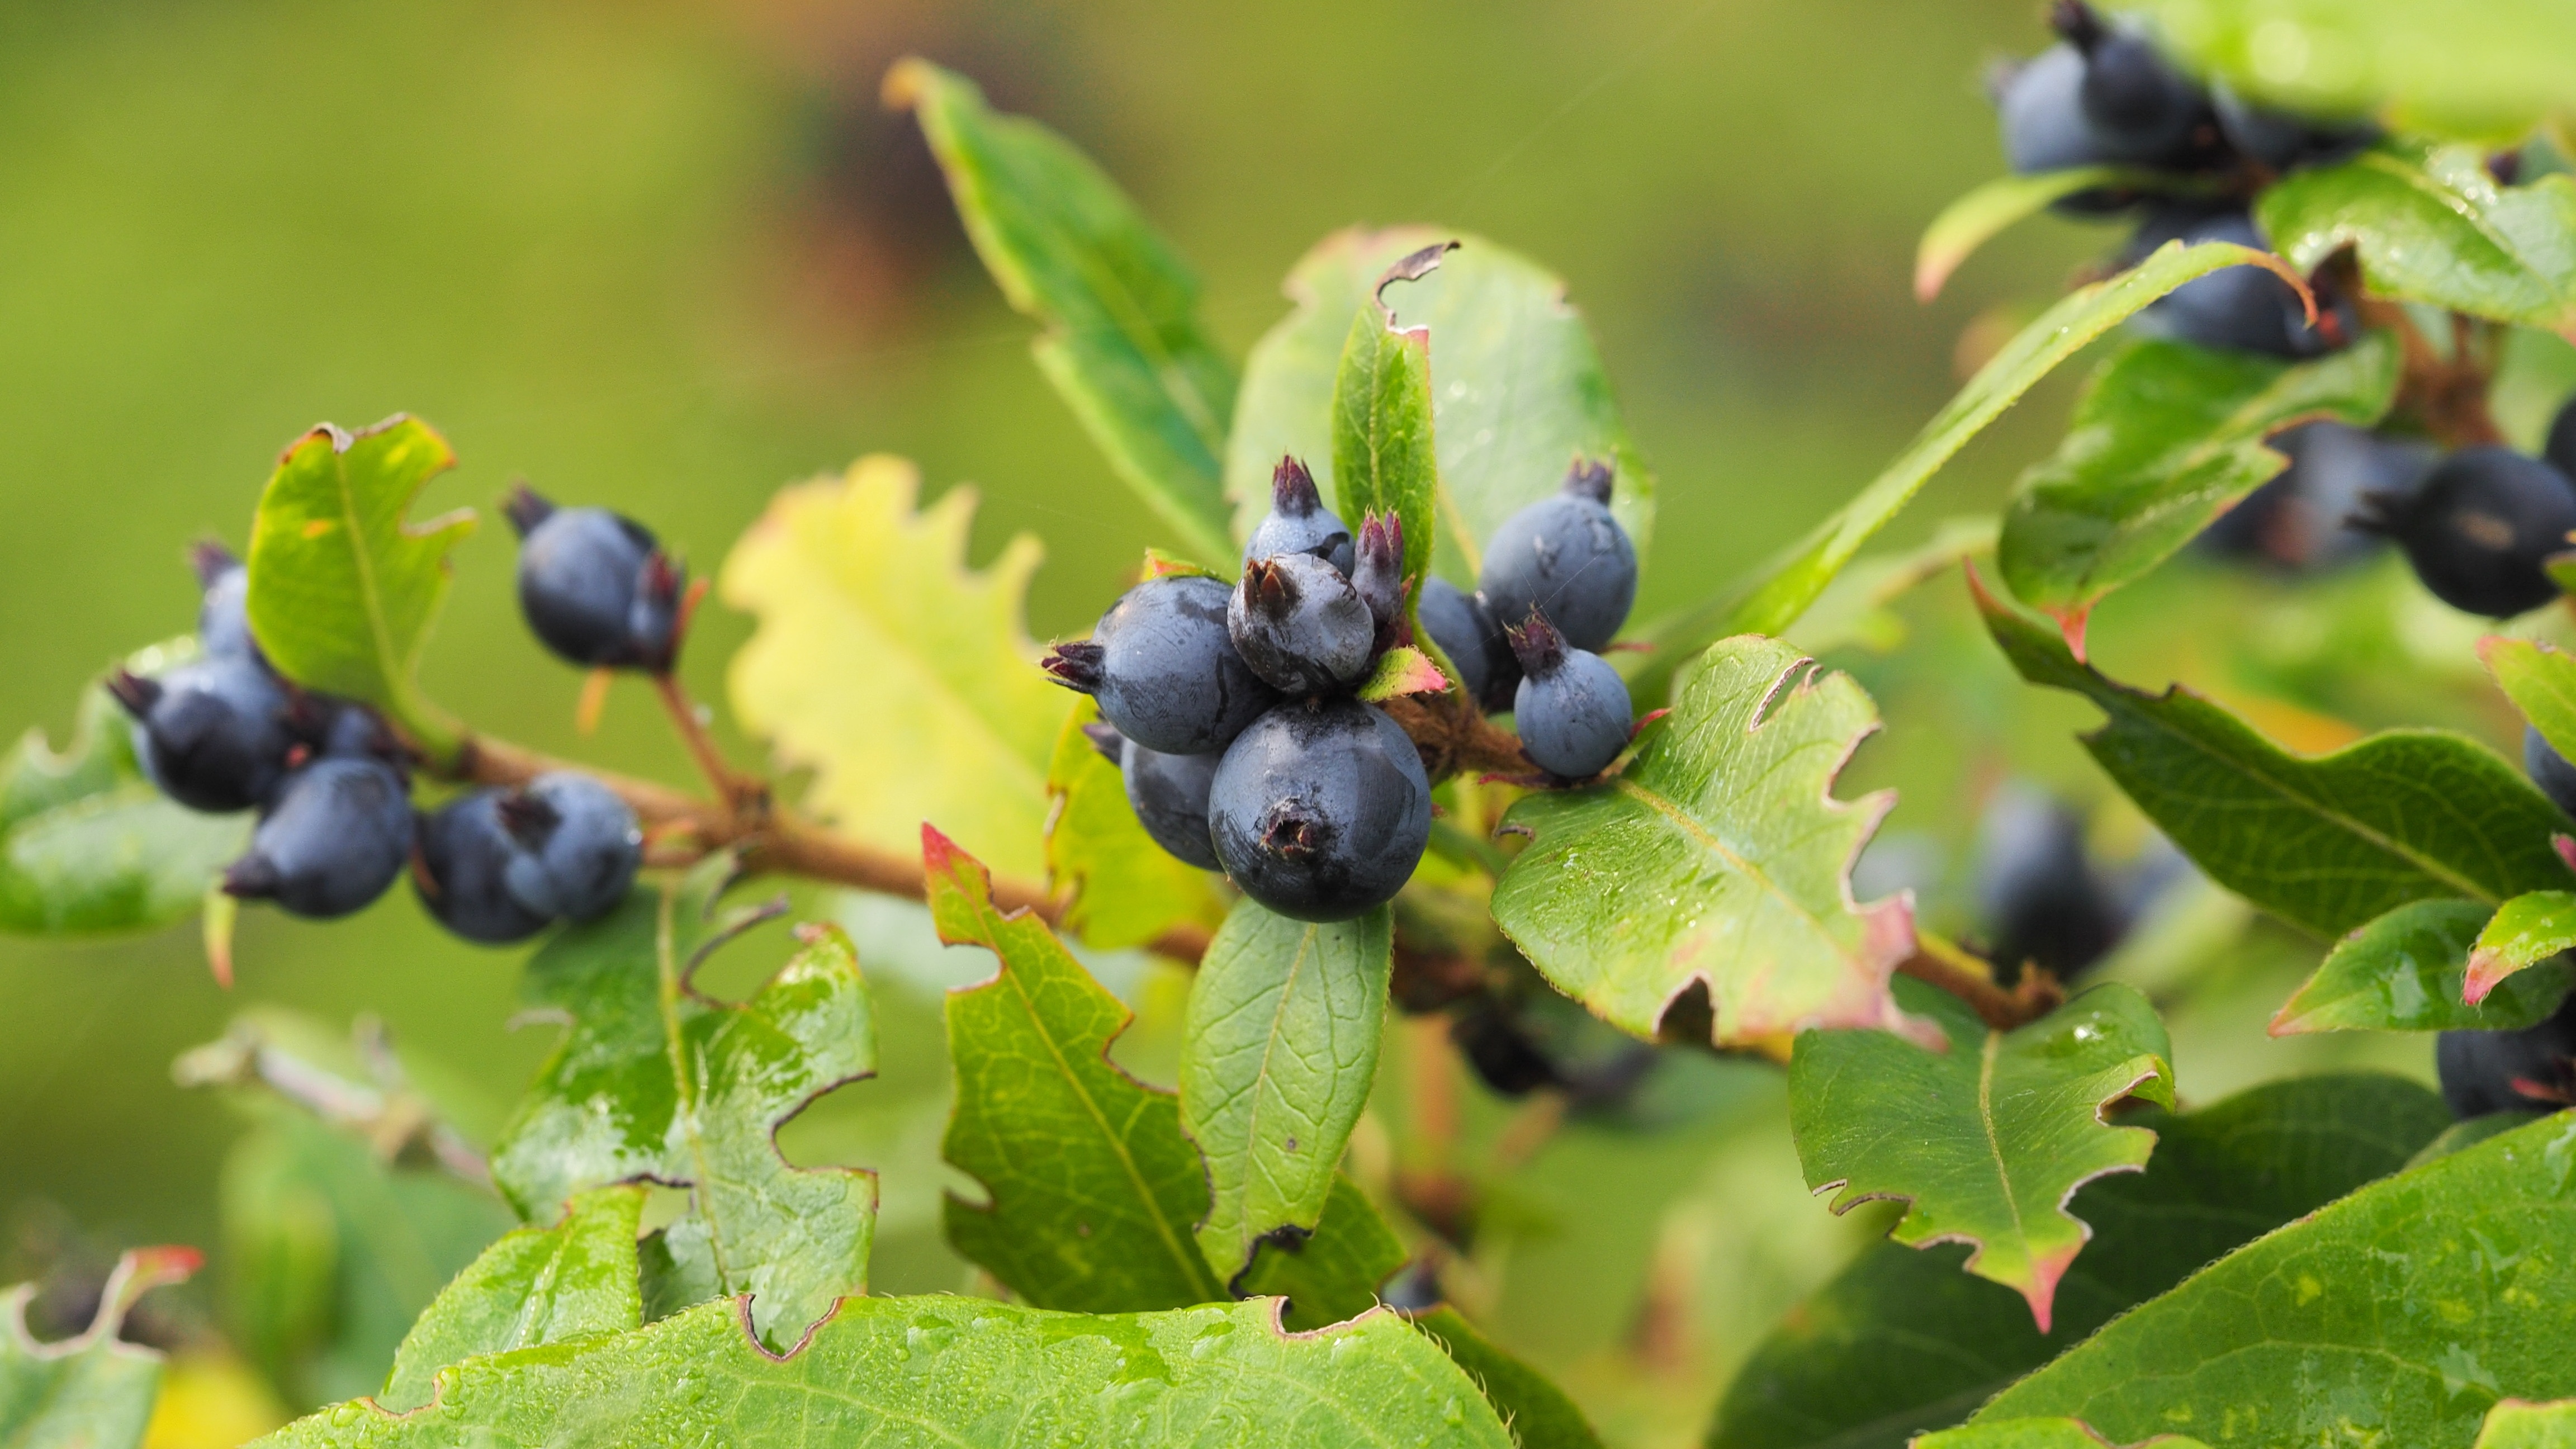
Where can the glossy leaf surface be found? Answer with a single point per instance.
(2528, 929)
(536, 1285)
(904, 680)
(1383, 450)
(1720, 858)
(1277, 1059)
(1993, 207)
(1123, 344)
(93, 1390)
(2405, 972)
(2540, 679)
(1126, 890)
(2431, 224)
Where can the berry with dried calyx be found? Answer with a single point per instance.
(1163, 668)
(1298, 521)
(2481, 528)
(1169, 793)
(2138, 107)
(1378, 578)
(334, 839)
(1565, 554)
(1572, 707)
(2302, 520)
(1298, 623)
(579, 845)
(460, 855)
(595, 586)
(1465, 630)
(216, 734)
(1320, 811)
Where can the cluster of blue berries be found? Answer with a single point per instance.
(1230, 715)
(225, 732)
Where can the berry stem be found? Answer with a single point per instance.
(1944, 963)
(739, 792)
(2446, 393)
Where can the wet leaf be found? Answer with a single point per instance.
(1382, 435)
(91, 1391)
(903, 679)
(1987, 1141)
(2430, 224)
(2515, 1424)
(1125, 890)
(1093, 1190)
(2330, 842)
(2402, 1312)
(1123, 344)
(536, 1285)
(1277, 1060)
(961, 1372)
(2166, 437)
(2527, 929)
(2404, 972)
(343, 586)
(1902, 1342)
(656, 1082)
(1720, 858)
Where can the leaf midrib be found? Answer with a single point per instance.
(1670, 811)
(362, 558)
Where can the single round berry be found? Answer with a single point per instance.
(2303, 520)
(579, 846)
(1169, 794)
(335, 838)
(1572, 707)
(1459, 623)
(2549, 770)
(2242, 309)
(2281, 140)
(1320, 811)
(2481, 527)
(1567, 556)
(2042, 901)
(1298, 521)
(1300, 625)
(216, 734)
(462, 853)
(595, 586)
(2531, 1070)
(2139, 108)
(1163, 668)
(1378, 578)
(2040, 106)
(1502, 1054)
(223, 617)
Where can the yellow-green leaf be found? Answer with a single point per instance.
(1125, 889)
(535, 1285)
(2530, 928)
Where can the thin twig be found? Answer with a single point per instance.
(1940, 963)
(732, 787)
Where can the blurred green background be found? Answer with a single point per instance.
(669, 256)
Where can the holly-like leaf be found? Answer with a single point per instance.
(2530, 928)
(2329, 843)
(536, 1285)
(1123, 344)
(1987, 1141)
(1719, 858)
(1518, 394)
(1985, 212)
(2515, 1424)
(2166, 437)
(1383, 451)
(1277, 1059)
(901, 678)
(2402, 1312)
(1093, 1188)
(2540, 679)
(2405, 972)
(2052, 1433)
(94, 1390)
(1124, 889)
(965, 1373)
(2430, 223)
(656, 1082)
(1772, 597)
(88, 845)
(1902, 1342)
(343, 586)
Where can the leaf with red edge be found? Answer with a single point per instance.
(2527, 929)
(1400, 671)
(92, 1391)
(1988, 1140)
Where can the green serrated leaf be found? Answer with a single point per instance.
(2166, 437)
(343, 587)
(536, 1285)
(964, 1373)
(1902, 1342)
(1332, 1273)
(94, 1390)
(1123, 344)
(1772, 597)
(1719, 857)
(1093, 1188)
(2431, 224)
(1540, 1414)
(1277, 1060)
(1383, 451)
(1985, 212)
(2057, 1433)
(899, 676)
(1519, 389)
(656, 1082)
(1988, 1140)
(2515, 1424)
(88, 845)
(2404, 972)
(2403, 1312)
(2329, 843)
(2526, 930)
(1124, 889)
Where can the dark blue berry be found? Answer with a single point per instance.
(2042, 901)
(2560, 450)
(1458, 622)
(1320, 811)
(2303, 519)
(2242, 309)
(1572, 708)
(333, 840)
(1502, 1054)
(1298, 623)
(2549, 770)
(1163, 668)
(1378, 577)
(463, 854)
(2531, 1070)
(223, 618)
(1169, 793)
(1298, 521)
(2040, 104)
(2480, 528)
(216, 734)
(579, 846)
(2138, 107)
(595, 586)
(1567, 556)
(2281, 140)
